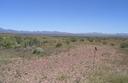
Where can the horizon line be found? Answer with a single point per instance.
(65, 31)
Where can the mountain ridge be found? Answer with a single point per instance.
(57, 33)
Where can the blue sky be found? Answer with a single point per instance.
(77, 16)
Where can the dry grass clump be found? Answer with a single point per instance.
(103, 76)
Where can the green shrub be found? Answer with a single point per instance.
(67, 42)
(90, 40)
(7, 42)
(38, 50)
(73, 40)
(124, 45)
(58, 45)
(82, 40)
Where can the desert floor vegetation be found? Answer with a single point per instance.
(47, 59)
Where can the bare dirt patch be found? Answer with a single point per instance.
(72, 66)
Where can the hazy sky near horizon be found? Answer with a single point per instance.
(77, 16)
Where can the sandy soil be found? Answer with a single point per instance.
(72, 66)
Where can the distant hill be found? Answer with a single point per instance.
(57, 33)
(54, 33)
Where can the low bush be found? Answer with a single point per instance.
(73, 39)
(124, 45)
(38, 50)
(90, 40)
(82, 40)
(58, 45)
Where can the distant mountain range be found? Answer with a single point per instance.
(57, 33)
(2, 30)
